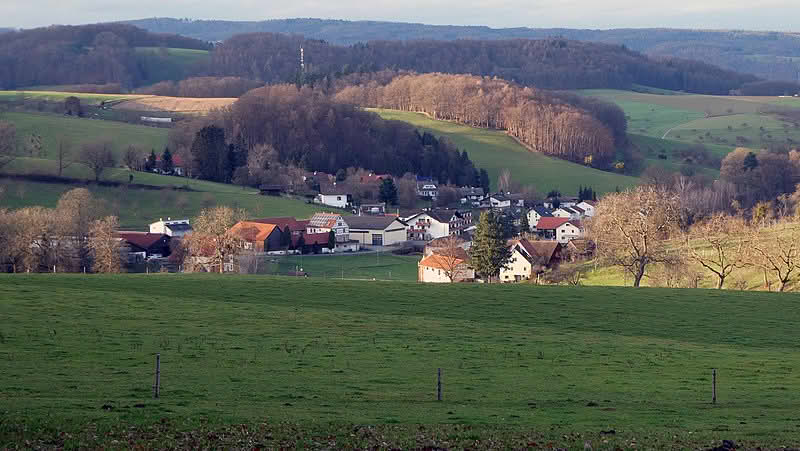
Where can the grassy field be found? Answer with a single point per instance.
(137, 207)
(52, 127)
(172, 64)
(494, 151)
(287, 362)
(59, 96)
(379, 266)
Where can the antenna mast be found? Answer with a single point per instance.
(302, 61)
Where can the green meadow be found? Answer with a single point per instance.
(494, 151)
(271, 362)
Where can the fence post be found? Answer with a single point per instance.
(439, 385)
(157, 385)
(713, 386)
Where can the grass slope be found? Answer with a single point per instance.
(381, 266)
(170, 63)
(50, 95)
(551, 361)
(52, 127)
(494, 151)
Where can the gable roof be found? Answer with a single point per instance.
(142, 240)
(370, 222)
(550, 223)
(253, 231)
(181, 227)
(543, 211)
(441, 262)
(333, 189)
(542, 251)
(283, 222)
(325, 220)
(312, 238)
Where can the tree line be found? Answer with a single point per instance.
(281, 125)
(542, 121)
(552, 63)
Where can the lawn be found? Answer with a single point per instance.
(169, 63)
(137, 207)
(78, 131)
(287, 362)
(59, 96)
(367, 265)
(494, 151)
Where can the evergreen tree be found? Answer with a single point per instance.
(286, 237)
(489, 253)
(750, 161)
(166, 161)
(331, 240)
(151, 162)
(210, 154)
(301, 244)
(484, 180)
(388, 191)
(507, 226)
(524, 225)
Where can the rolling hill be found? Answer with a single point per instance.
(770, 55)
(251, 359)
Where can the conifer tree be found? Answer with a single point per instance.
(166, 161)
(524, 225)
(489, 253)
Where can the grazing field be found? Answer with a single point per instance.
(170, 63)
(367, 265)
(59, 96)
(137, 207)
(287, 362)
(78, 131)
(494, 151)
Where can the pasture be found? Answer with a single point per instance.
(260, 361)
(169, 63)
(137, 207)
(366, 265)
(494, 151)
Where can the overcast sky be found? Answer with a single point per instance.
(781, 15)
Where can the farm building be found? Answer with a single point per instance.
(258, 237)
(175, 228)
(376, 230)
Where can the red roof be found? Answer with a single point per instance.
(548, 223)
(142, 240)
(312, 238)
(294, 224)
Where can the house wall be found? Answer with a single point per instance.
(393, 234)
(567, 232)
(517, 268)
(428, 274)
(433, 230)
(588, 208)
(273, 241)
(333, 200)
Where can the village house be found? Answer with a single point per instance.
(372, 209)
(537, 213)
(333, 196)
(376, 230)
(296, 226)
(530, 258)
(176, 228)
(574, 212)
(588, 208)
(427, 190)
(471, 196)
(434, 224)
(327, 222)
(443, 244)
(561, 201)
(562, 230)
(141, 246)
(258, 237)
(499, 200)
(312, 243)
(580, 249)
(435, 268)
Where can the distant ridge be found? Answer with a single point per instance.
(770, 55)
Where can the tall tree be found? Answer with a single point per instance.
(210, 154)
(489, 253)
(331, 240)
(167, 165)
(98, 156)
(77, 209)
(388, 191)
(151, 162)
(524, 225)
(630, 228)
(719, 245)
(778, 254)
(211, 237)
(105, 246)
(63, 155)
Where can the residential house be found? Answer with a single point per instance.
(471, 196)
(562, 230)
(561, 201)
(529, 258)
(372, 209)
(580, 249)
(427, 189)
(297, 227)
(574, 212)
(442, 244)
(376, 230)
(537, 213)
(258, 237)
(312, 243)
(499, 200)
(435, 268)
(175, 228)
(327, 222)
(333, 196)
(434, 224)
(588, 207)
(141, 246)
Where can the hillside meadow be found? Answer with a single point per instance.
(494, 151)
(315, 363)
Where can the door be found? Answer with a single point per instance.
(377, 239)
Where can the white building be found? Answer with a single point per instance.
(435, 268)
(376, 230)
(587, 207)
(562, 230)
(568, 213)
(499, 201)
(434, 224)
(325, 222)
(537, 213)
(175, 228)
(427, 190)
(529, 258)
(333, 199)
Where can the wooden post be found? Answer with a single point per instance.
(439, 385)
(713, 386)
(157, 385)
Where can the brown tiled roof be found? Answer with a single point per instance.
(142, 240)
(540, 250)
(326, 220)
(550, 223)
(284, 221)
(253, 231)
(440, 262)
(312, 238)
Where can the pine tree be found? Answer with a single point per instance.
(166, 161)
(489, 253)
(286, 237)
(331, 240)
(151, 161)
(484, 180)
(524, 225)
(388, 191)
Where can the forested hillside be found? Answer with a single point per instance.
(771, 55)
(87, 54)
(546, 64)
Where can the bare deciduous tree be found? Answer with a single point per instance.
(630, 228)
(77, 209)
(98, 156)
(133, 158)
(211, 237)
(63, 155)
(504, 181)
(106, 247)
(778, 254)
(451, 256)
(719, 245)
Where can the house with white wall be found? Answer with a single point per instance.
(175, 228)
(429, 225)
(562, 230)
(588, 208)
(436, 268)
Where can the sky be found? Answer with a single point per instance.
(778, 15)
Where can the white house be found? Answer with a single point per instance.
(588, 208)
(562, 230)
(434, 224)
(499, 201)
(427, 189)
(333, 196)
(376, 230)
(517, 268)
(471, 196)
(529, 258)
(435, 268)
(325, 222)
(573, 213)
(537, 213)
(171, 227)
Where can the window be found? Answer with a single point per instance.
(338, 197)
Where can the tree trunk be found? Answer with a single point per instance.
(721, 282)
(638, 276)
